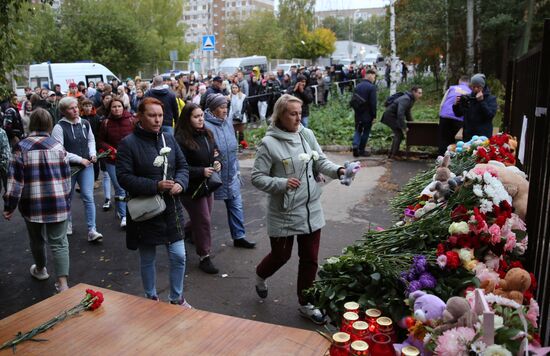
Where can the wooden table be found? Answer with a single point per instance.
(130, 325)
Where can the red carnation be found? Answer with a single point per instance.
(244, 144)
(460, 213)
(453, 261)
(527, 296)
(516, 264)
(96, 297)
(533, 281)
(440, 249)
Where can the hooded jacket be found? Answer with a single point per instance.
(478, 115)
(291, 212)
(224, 135)
(113, 130)
(399, 111)
(170, 105)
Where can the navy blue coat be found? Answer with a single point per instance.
(170, 105)
(138, 176)
(367, 112)
(478, 116)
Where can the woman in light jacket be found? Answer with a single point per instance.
(230, 192)
(287, 162)
(237, 111)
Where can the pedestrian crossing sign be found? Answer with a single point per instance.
(208, 43)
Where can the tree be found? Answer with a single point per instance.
(337, 25)
(318, 43)
(470, 37)
(370, 31)
(296, 17)
(259, 34)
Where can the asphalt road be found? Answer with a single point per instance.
(349, 211)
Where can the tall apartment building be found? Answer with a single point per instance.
(356, 14)
(209, 17)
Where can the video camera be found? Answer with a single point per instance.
(466, 100)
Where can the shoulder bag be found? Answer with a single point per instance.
(143, 208)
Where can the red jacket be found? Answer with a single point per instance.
(112, 131)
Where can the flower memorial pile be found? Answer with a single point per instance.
(474, 238)
(91, 301)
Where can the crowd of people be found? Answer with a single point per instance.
(171, 145)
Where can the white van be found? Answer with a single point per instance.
(66, 73)
(231, 65)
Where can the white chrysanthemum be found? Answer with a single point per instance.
(478, 190)
(496, 350)
(165, 151)
(474, 176)
(159, 161)
(315, 155)
(304, 157)
(486, 206)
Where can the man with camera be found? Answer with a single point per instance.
(478, 108)
(449, 123)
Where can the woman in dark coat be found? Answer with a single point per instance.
(138, 175)
(200, 150)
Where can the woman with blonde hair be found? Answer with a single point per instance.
(237, 112)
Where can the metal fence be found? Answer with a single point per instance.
(528, 96)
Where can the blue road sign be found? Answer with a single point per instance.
(208, 43)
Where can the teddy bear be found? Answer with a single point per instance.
(350, 169)
(443, 183)
(515, 183)
(516, 282)
(457, 313)
(428, 310)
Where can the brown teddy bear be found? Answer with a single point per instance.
(457, 313)
(515, 184)
(516, 282)
(443, 185)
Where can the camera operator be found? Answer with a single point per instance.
(478, 108)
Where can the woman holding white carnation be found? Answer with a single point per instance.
(287, 163)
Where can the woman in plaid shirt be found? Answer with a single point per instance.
(39, 182)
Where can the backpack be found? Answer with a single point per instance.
(391, 99)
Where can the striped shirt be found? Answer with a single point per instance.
(39, 180)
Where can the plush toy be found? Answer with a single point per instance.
(444, 184)
(428, 310)
(457, 313)
(351, 168)
(514, 182)
(516, 282)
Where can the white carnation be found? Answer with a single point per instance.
(459, 228)
(304, 157)
(315, 155)
(465, 255)
(159, 161)
(478, 190)
(496, 350)
(486, 206)
(165, 151)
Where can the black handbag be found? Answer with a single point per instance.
(213, 182)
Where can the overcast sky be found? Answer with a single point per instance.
(322, 5)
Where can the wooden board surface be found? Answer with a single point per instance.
(130, 325)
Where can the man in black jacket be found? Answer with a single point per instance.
(396, 115)
(168, 99)
(303, 93)
(365, 113)
(478, 108)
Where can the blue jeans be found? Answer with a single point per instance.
(176, 254)
(120, 193)
(85, 179)
(235, 216)
(304, 120)
(106, 185)
(361, 135)
(167, 129)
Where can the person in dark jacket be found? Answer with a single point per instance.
(11, 120)
(364, 115)
(139, 176)
(303, 93)
(478, 108)
(168, 99)
(214, 88)
(119, 124)
(200, 150)
(396, 115)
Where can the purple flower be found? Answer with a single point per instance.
(414, 286)
(419, 264)
(427, 281)
(404, 277)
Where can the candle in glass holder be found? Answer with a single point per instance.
(347, 321)
(359, 331)
(410, 351)
(359, 348)
(352, 307)
(385, 326)
(340, 344)
(382, 345)
(370, 317)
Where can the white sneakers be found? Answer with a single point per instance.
(123, 223)
(69, 228)
(314, 314)
(40, 275)
(94, 236)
